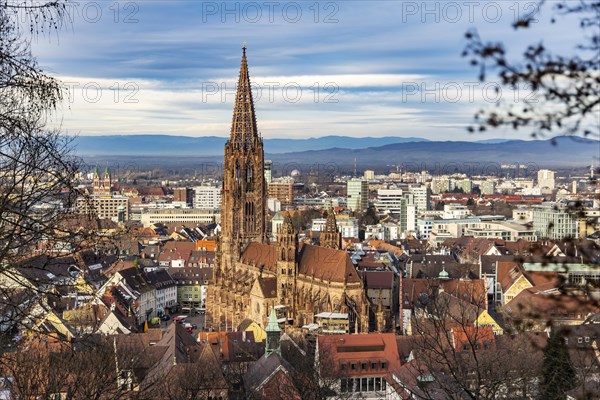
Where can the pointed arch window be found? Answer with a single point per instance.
(249, 178)
(238, 176)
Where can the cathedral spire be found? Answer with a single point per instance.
(331, 236)
(243, 126)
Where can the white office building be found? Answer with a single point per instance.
(207, 197)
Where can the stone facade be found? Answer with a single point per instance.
(252, 275)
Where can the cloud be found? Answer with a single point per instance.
(164, 55)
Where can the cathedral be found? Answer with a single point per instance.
(102, 185)
(254, 275)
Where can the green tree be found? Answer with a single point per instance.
(370, 216)
(558, 373)
(440, 205)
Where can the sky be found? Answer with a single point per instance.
(373, 68)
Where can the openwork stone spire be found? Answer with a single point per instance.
(243, 127)
(243, 207)
(331, 236)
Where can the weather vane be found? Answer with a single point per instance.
(244, 45)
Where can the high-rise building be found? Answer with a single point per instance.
(546, 179)
(487, 187)
(268, 171)
(440, 185)
(183, 196)
(369, 175)
(420, 197)
(390, 201)
(358, 194)
(553, 221)
(282, 191)
(207, 197)
(465, 184)
(115, 207)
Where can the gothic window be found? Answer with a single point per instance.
(238, 177)
(249, 179)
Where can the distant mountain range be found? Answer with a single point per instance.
(178, 151)
(560, 152)
(151, 145)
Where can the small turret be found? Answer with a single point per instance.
(273, 335)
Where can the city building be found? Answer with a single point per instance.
(545, 179)
(369, 175)
(487, 187)
(390, 201)
(185, 216)
(183, 196)
(554, 221)
(192, 285)
(268, 171)
(421, 197)
(348, 226)
(500, 230)
(166, 289)
(361, 364)
(207, 197)
(282, 191)
(440, 185)
(114, 207)
(466, 185)
(358, 194)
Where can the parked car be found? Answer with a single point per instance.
(179, 318)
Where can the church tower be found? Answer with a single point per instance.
(107, 181)
(287, 245)
(273, 330)
(97, 183)
(243, 208)
(331, 237)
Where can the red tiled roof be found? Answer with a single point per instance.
(377, 279)
(508, 273)
(260, 255)
(474, 291)
(327, 264)
(467, 335)
(338, 350)
(268, 285)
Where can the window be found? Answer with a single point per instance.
(344, 385)
(343, 366)
(353, 366)
(363, 365)
(383, 365)
(373, 365)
